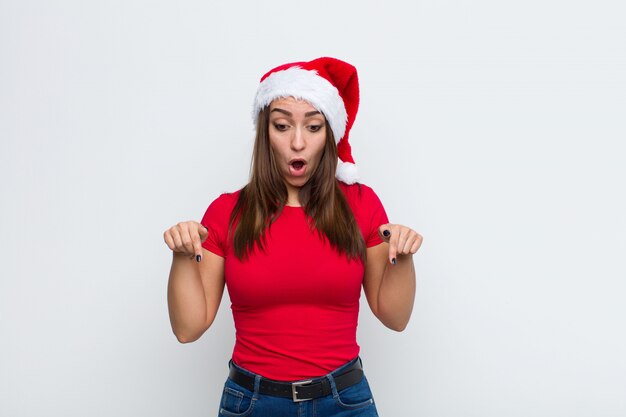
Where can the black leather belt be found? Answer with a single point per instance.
(300, 390)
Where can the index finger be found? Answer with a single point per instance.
(197, 245)
(393, 245)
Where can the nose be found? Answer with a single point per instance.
(297, 140)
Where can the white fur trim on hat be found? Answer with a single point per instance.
(306, 85)
(347, 172)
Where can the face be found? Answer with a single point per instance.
(297, 136)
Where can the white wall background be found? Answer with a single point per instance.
(495, 129)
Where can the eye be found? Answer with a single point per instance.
(280, 127)
(315, 128)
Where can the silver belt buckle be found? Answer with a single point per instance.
(294, 392)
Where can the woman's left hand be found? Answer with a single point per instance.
(402, 240)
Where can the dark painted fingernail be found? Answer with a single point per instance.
(393, 261)
(198, 257)
(386, 233)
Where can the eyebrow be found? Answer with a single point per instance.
(288, 113)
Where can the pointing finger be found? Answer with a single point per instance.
(197, 243)
(393, 245)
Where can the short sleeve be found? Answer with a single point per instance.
(368, 211)
(216, 219)
(376, 214)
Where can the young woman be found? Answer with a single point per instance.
(294, 246)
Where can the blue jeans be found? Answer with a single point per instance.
(353, 401)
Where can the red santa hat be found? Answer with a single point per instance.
(328, 84)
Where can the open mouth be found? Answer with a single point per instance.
(297, 165)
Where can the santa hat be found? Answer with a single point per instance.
(328, 84)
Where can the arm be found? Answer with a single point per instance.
(194, 293)
(390, 288)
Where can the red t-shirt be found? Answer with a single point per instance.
(296, 304)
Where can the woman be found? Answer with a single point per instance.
(294, 247)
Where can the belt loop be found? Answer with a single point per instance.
(257, 385)
(333, 386)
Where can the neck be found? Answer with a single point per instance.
(293, 199)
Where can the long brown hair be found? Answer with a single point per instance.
(262, 200)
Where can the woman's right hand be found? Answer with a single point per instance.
(186, 238)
